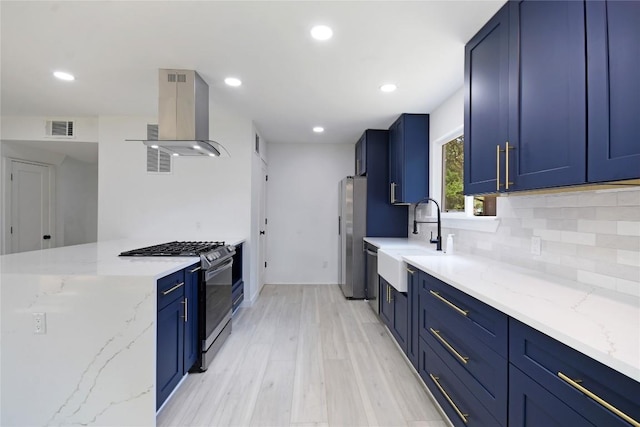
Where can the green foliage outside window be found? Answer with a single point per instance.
(453, 167)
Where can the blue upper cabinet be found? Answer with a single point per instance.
(486, 76)
(383, 219)
(409, 159)
(613, 35)
(361, 156)
(547, 95)
(552, 96)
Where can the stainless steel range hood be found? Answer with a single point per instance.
(183, 115)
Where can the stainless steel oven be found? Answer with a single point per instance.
(214, 303)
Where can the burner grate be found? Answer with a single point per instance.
(177, 249)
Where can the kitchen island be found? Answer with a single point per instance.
(95, 362)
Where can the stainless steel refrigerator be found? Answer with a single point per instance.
(352, 228)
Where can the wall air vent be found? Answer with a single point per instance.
(60, 129)
(158, 161)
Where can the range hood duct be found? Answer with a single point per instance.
(183, 115)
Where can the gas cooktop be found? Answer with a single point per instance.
(176, 249)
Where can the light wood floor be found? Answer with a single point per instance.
(304, 356)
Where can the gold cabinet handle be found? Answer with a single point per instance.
(449, 303)
(186, 313)
(410, 270)
(168, 291)
(598, 399)
(195, 269)
(506, 163)
(462, 416)
(497, 167)
(463, 359)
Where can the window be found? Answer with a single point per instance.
(453, 182)
(452, 175)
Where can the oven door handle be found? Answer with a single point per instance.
(211, 273)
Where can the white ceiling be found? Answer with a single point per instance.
(290, 81)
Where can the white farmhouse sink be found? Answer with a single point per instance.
(393, 269)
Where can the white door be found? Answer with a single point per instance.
(262, 227)
(31, 224)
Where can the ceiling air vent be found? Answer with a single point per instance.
(158, 161)
(60, 129)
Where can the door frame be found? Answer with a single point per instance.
(262, 225)
(7, 195)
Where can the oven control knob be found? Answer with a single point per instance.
(209, 257)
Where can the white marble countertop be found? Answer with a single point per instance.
(95, 363)
(98, 259)
(602, 324)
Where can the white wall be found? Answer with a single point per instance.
(591, 236)
(77, 202)
(302, 207)
(32, 128)
(202, 199)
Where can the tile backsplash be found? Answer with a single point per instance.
(592, 237)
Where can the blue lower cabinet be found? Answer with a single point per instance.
(386, 303)
(170, 349)
(192, 281)
(460, 405)
(237, 295)
(562, 371)
(531, 405)
(414, 331)
(400, 326)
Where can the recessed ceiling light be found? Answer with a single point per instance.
(212, 155)
(154, 146)
(321, 32)
(175, 154)
(233, 81)
(388, 87)
(318, 129)
(196, 147)
(64, 76)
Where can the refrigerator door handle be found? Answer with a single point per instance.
(339, 225)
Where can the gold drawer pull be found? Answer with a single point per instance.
(168, 291)
(195, 269)
(450, 304)
(462, 416)
(610, 407)
(463, 359)
(410, 270)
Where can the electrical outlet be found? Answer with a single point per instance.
(39, 323)
(536, 245)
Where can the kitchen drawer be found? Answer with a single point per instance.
(544, 359)
(465, 314)
(454, 398)
(481, 369)
(530, 405)
(170, 288)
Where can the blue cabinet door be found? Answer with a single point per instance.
(192, 278)
(400, 327)
(409, 159)
(613, 34)
(486, 115)
(361, 156)
(170, 349)
(531, 405)
(412, 344)
(386, 303)
(547, 95)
